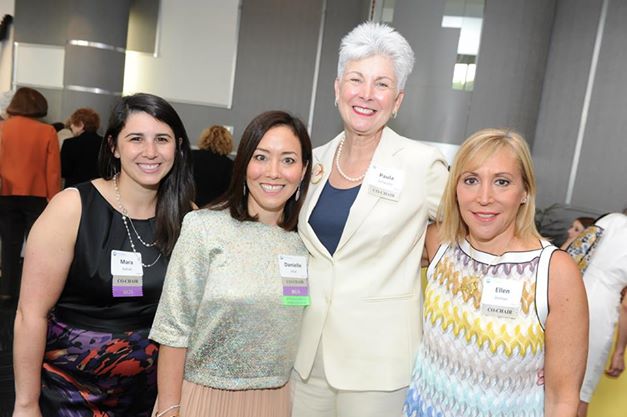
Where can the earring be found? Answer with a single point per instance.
(335, 103)
(297, 194)
(394, 114)
(244, 189)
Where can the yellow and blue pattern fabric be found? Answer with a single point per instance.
(582, 248)
(475, 364)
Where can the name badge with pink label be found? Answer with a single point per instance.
(128, 274)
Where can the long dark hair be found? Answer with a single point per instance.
(176, 190)
(235, 198)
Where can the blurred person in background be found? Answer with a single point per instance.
(577, 226)
(79, 154)
(30, 175)
(212, 165)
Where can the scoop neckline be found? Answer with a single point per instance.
(507, 257)
(114, 209)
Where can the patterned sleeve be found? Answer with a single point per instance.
(184, 284)
(437, 176)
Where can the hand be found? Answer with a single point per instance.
(617, 366)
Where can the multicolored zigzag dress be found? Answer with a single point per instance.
(472, 363)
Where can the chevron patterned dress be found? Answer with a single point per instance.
(471, 364)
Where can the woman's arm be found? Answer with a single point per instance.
(53, 165)
(617, 364)
(175, 319)
(49, 253)
(170, 378)
(566, 338)
(567, 242)
(432, 243)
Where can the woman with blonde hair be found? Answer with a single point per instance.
(212, 165)
(505, 314)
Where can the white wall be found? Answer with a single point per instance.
(196, 54)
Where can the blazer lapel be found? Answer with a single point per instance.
(325, 158)
(365, 202)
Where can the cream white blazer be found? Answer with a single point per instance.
(366, 303)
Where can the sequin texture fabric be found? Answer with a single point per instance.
(222, 300)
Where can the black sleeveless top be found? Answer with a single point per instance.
(87, 299)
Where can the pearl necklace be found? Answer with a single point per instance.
(337, 164)
(124, 213)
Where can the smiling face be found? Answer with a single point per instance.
(367, 94)
(489, 195)
(274, 173)
(146, 148)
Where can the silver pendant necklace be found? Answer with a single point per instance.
(124, 214)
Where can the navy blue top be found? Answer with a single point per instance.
(329, 216)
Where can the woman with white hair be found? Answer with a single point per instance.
(364, 223)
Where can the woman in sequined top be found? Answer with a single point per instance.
(94, 268)
(229, 317)
(505, 313)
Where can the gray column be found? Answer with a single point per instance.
(95, 54)
(93, 33)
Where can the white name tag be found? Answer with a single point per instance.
(291, 266)
(126, 263)
(501, 297)
(385, 182)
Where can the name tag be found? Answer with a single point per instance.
(127, 272)
(291, 266)
(501, 297)
(385, 182)
(127, 286)
(293, 270)
(126, 263)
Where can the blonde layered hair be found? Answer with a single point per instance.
(216, 139)
(473, 152)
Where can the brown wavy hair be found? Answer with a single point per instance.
(28, 102)
(216, 139)
(88, 117)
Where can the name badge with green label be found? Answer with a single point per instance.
(293, 270)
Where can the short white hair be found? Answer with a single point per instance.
(369, 39)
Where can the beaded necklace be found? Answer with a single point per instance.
(337, 164)
(124, 214)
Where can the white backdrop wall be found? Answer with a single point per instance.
(195, 61)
